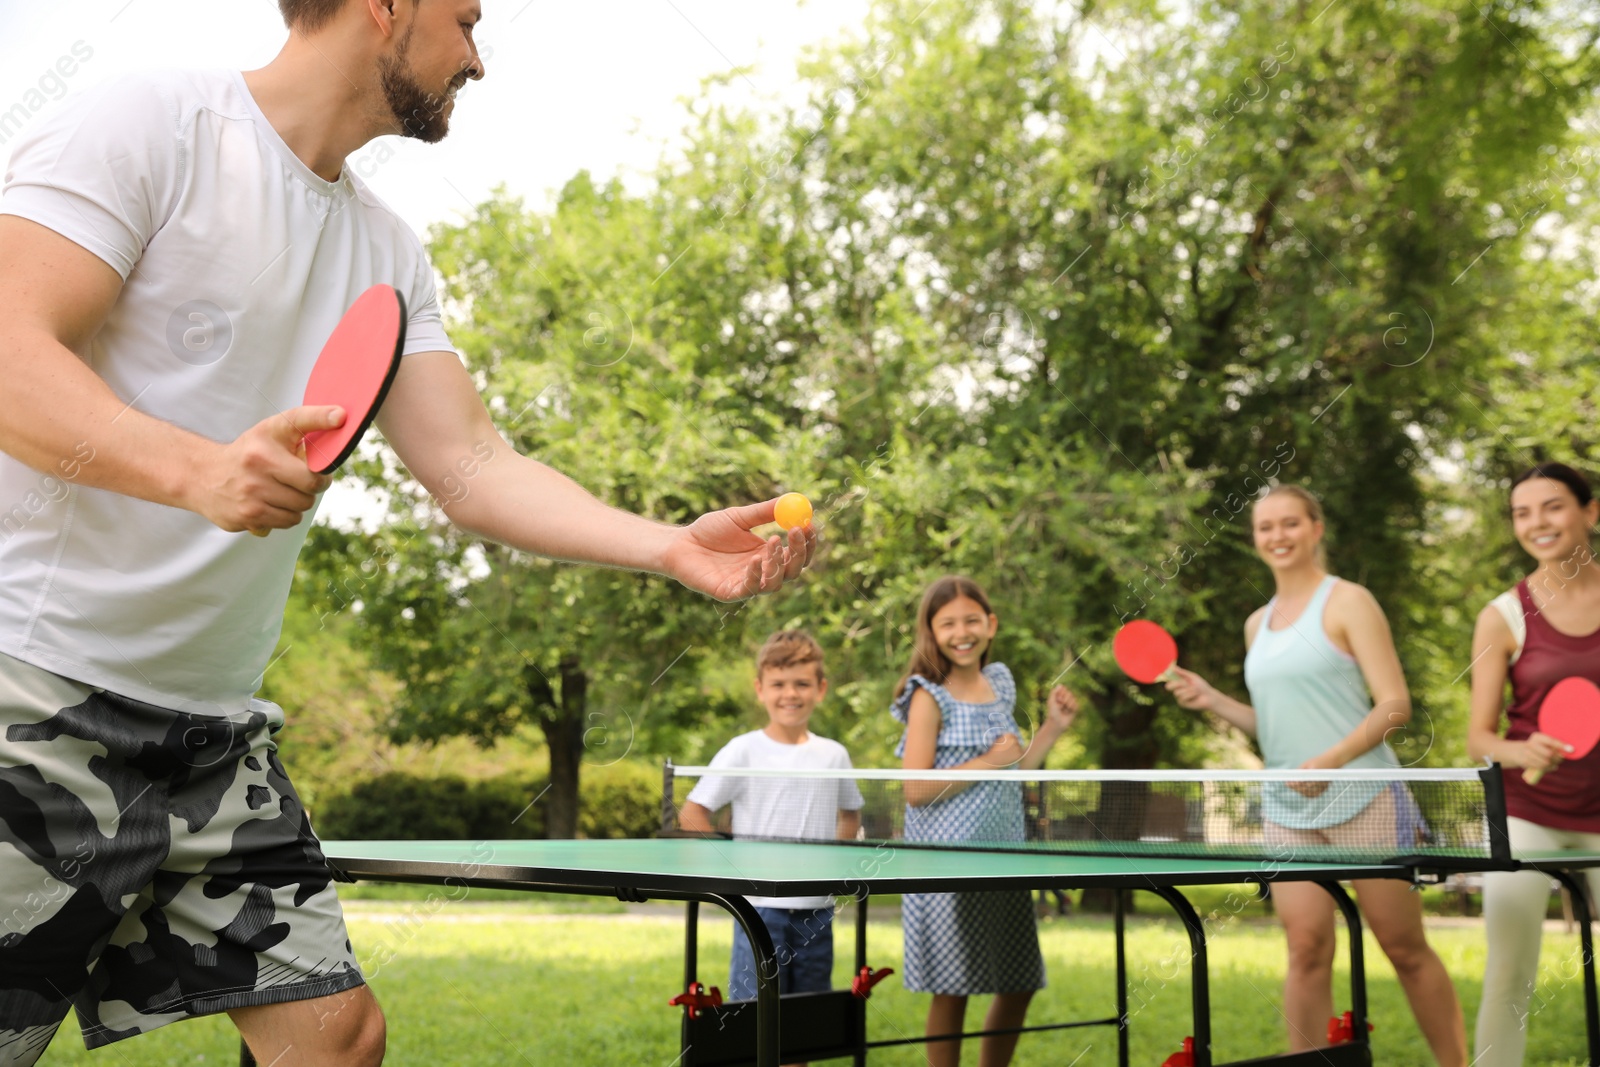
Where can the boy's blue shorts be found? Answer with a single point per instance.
(803, 943)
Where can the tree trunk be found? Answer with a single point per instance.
(1127, 743)
(563, 734)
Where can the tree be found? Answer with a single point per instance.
(1043, 292)
(485, 638)
(1209, 247)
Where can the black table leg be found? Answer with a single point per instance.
(691, 941)
(767, 1006)
(1358, 961)
(1120, 897)
(1580, 912)
(691, 967)
(1356, 1052)
(1200, 980)
(861, 963)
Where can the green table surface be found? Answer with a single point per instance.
(763, 868)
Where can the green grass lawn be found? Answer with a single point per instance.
(472, 983)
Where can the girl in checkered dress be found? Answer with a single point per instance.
(958, 710)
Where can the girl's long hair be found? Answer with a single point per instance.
(926, 658)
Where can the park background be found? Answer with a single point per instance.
(1041, 293)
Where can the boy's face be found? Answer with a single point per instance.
(790, 694)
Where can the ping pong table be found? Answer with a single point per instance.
(725, 872)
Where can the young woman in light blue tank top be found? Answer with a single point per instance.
(1309, 695)
(1325, 689)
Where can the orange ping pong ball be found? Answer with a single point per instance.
(793, 510)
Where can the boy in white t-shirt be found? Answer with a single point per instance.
(790, 682)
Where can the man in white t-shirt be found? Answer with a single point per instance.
(790, 681)
(174, 249)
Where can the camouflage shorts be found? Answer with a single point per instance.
(154, 865)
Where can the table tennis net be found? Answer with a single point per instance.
(1445, 817)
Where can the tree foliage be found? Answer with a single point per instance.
(1043, 293)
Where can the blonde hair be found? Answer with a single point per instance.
(790, 648)
(1313, 508)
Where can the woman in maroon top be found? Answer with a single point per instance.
(1544, 630)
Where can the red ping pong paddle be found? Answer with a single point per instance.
(1145, 651)
(354, 371)
(1570, 713)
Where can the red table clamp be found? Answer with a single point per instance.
(861, 985)
(1181, 1059)
(1342, 1029)
(697, 999)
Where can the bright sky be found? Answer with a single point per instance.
(593, 85)
(596, 85)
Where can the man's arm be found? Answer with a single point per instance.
(440, 429)
(57, 296)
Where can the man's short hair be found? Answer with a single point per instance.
(309, 15)
(790, 648)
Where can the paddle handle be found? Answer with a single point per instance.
(1167, 675)
(1532, 777)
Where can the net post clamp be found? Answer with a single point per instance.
(1342, 1029)
(697, 999)
(861, 985)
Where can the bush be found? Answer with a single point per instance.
(407, 807)
(621, 800)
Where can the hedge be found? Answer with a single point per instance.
(620, 800)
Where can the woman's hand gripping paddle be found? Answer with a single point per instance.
(1570, 714)
(354, 371)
